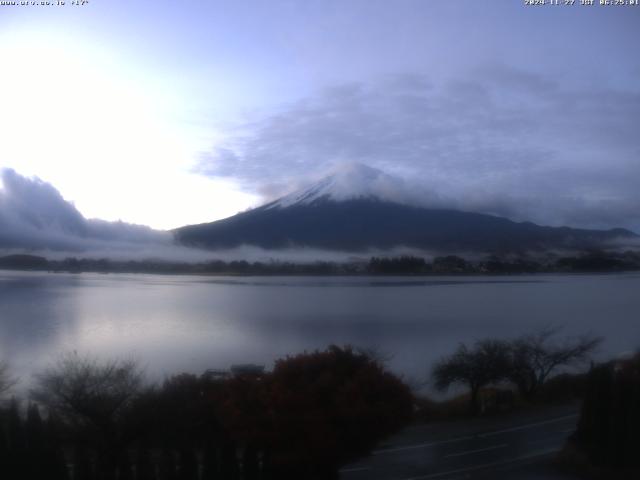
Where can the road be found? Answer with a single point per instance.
(514, 446)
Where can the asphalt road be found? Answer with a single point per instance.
(514, 446)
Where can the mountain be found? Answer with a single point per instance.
(360, 208)
(352, 182)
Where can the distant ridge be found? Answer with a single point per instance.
(361, 208)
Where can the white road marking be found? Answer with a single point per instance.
(485, 465)
(422, 445)
(530, 425)
(469, 452)
(355, 469)
(470, 437)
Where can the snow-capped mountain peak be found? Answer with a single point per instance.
(322, 216)
(349, 182)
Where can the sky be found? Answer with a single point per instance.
(170, 113)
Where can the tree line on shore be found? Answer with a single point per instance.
(592, 261)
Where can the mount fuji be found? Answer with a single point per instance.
(360, 208)
(353, 181)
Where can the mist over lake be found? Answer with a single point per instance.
(188, 323)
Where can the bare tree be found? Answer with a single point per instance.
(535, 356)
(94, 396)
(85, 390)
(485, 363)
(7, 382)
(376, 354)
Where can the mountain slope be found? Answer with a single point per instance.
(351, 182)
(360, 224)
(364, 208)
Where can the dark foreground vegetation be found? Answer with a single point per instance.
(497, 373)
(531, 370)
(592, 261)
(606, 444)
(314, 412)
(310, 415)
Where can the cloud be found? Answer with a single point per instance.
(35, 216)
(36, 219)
(500, 140)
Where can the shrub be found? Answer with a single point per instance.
(609, 426)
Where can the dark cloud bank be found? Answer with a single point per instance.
(500, 141)
(34, 216)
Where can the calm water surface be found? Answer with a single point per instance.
(189, 323)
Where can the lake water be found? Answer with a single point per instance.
(189, 323)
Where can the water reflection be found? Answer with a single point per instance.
(174, 323)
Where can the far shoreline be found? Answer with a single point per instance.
(590, 262)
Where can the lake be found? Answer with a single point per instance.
(190, 323)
